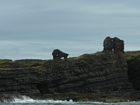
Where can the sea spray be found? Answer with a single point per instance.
(25, 100)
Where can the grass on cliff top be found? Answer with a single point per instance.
(38, 63)
(131, 54)
(7, 63)
(86, 56)
(29, 62)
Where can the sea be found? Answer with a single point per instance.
(29, 101)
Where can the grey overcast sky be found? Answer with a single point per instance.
(32, 29)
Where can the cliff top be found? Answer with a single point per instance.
(38, 63)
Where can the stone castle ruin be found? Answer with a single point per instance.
(57, 55)
(113, 45)
(110, 45)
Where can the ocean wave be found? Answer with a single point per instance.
(25, 100)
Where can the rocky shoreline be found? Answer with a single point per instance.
(76, 97)
(90, 97)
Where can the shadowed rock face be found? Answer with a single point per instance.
(134, 72)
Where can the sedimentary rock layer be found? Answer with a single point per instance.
(21, 80)
(101, 73)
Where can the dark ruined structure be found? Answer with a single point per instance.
(57, 54)
(118, 45)
(108, 44)
(113, 44)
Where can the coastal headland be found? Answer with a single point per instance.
(102, 76)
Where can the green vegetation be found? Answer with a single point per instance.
(38, 63)
(7, 63)
(29, 62)
(86, 56)
(131, 54)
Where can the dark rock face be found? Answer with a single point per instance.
(113, 45)
(102, 74)
(134, 72)
(21, 80)
(99, 74)
(57, 54)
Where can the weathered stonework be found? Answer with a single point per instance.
(118, 45)
(115, 45)
(57, 55)
(108, 44)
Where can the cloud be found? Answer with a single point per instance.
(32, 29)
(43, 50)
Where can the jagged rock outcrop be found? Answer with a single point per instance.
(99, 74)
(134, 72)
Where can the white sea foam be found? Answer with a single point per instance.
(26, 99)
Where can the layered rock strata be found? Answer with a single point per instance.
(103, 74)
(20, 80)
(98, 74)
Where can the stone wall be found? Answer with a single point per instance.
(115, 45)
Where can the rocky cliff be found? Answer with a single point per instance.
(101, 73)
(97, 74)
(20, 80)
